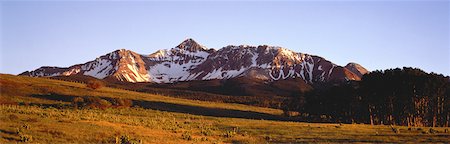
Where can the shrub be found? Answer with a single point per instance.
(78, 102)
(230, 134)
(26, 126)
(32, 120)
(125, 139)
(102, 103)
(204, 139)
(90, 102)
(119, 102)
(432, 131)
(395, 130)
(19, 131)
(186, 136)
(206, 132)
(290, 113)
(94, 84)
(96, 102)
(13, 117)
(26, 138)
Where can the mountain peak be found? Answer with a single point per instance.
(356, 68)
(192, 61)
(191, 45)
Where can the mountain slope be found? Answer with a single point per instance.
(191, 61)
(356, 69)
(123, 65)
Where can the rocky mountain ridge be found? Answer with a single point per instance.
(191, 61)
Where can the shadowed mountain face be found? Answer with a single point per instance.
(356, 69)
(190, 61)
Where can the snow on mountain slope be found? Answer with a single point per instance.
(122, 64)
(174, 65)
(267, 63)
(192, 61)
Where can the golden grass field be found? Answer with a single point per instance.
(38, 110)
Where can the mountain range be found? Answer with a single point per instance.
(191, 61)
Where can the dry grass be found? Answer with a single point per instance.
(45, 115)
(24, 86)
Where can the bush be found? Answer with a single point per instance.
(206, 132)
(19, 131)
(13, 117)
(26, 138)
(78, 102)
(395, 130)
(119, 102)
(32, 120)
(90, 102)
(204, 139)
(26, 126)
(94, 84)
(125, 139)
(96, 102)
(186, 136)
(432, 131)
(230, 134)
(288, 113)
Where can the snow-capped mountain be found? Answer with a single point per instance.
(123, 65)
(191, 61)
(177, 64)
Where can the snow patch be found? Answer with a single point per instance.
(254, 57)
(99, 69)
(71, 72)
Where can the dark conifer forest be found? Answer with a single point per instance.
(407, 96)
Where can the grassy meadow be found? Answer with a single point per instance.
(41, 110)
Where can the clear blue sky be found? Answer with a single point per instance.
(377, 34)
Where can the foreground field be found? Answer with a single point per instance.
(50, 125)
(39, 110)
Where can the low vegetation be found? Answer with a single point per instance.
(41, 110)
(94, 84)
(179, 90)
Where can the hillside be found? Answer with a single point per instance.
(42, 110)
(212, 90)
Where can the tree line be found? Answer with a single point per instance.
(407, 96)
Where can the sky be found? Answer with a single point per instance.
(376, 34)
